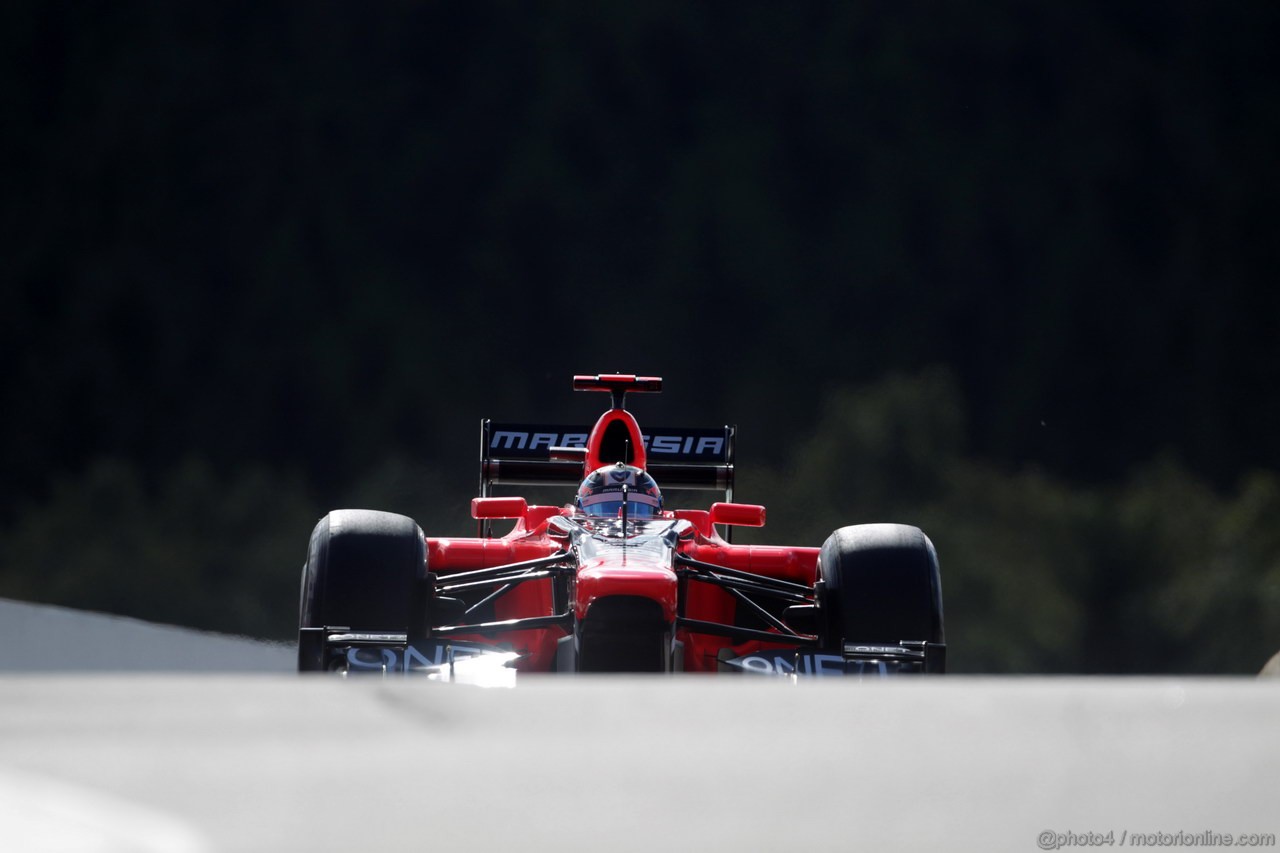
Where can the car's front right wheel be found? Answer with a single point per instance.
(361, 569)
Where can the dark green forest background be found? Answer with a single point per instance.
(1003, 271)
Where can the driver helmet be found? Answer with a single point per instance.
(601, 494)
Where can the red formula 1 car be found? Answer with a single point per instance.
(616, 581)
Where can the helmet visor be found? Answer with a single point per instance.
(609, 505)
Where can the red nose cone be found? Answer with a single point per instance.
(631, 573)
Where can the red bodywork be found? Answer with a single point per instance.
(529, 540)
(634, 573)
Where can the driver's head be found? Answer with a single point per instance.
(601, 494)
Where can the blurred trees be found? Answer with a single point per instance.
(193, 547)
(314, 245)
(196, 549)
(1157, 573)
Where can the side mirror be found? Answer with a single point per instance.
(498, 507)
(557, 527)
(737, 515)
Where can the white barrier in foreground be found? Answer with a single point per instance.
(44, 638)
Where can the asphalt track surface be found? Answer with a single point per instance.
(211, 744)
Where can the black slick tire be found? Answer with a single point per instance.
(361, 569)
(879, 584)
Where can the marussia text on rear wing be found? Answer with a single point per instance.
(542, 454)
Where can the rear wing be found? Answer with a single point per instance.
(540, 454)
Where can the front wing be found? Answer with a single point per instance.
(443, 659)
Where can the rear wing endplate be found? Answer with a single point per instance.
(540, 454)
